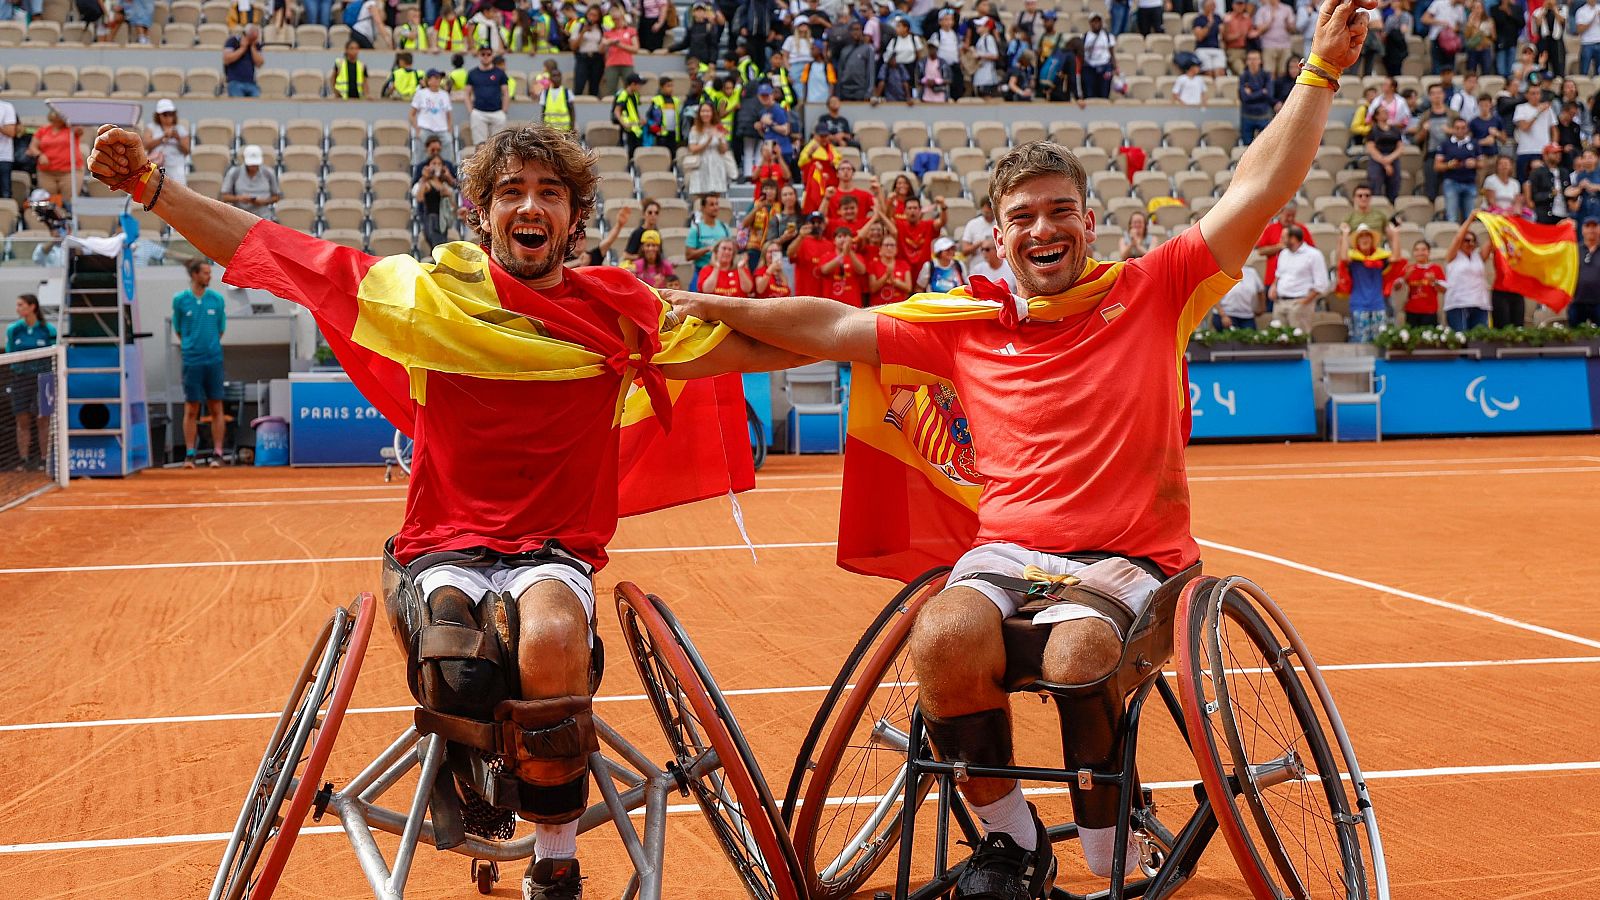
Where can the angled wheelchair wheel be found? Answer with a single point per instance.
(758, 436)
(1276, 763)
(711, 759)
(844, 796)
(312, 716)
(402, 451)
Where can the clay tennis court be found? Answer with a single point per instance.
(1446, 587)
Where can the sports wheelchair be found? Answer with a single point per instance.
(711, 762)
(1278, 776)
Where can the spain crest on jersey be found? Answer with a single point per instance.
(931, 418)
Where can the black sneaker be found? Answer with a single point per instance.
(999, 869)
(552, 879)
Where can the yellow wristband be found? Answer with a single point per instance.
(1324, 65)
(1316, 81)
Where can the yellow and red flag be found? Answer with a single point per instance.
(1539, 262)
(413, 318)
(911, 485)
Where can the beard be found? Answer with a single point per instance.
(504, 250)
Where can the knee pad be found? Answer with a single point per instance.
(547, 743)
(1092, 736)
(980, 738)
(462, 660)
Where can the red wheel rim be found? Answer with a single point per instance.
(344, 685)
(1203, 744)
(715, 732)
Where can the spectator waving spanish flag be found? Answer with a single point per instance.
(1539, 262)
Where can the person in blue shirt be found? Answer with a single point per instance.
(29, 332)
(1456, 162)
(199, 319)
(1255, 98)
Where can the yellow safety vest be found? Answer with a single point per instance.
(341, 83)
(558, 108)
(720, 98)
(744, 67)
(405, 82)
(629, 119)
(458, 79)
(414, 40)
(734, 98)
(511, 88)
(483, 35)
(785, 88)
(664, 104)
(450, 35)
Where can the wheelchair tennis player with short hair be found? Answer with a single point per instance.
(1278, 775)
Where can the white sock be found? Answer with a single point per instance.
(1010, 815)
(559, 841)
(1098, 846)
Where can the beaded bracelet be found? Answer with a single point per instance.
(159, 185)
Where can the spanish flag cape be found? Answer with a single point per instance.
(911, 484)
(1539, 262)
(1381, 258)
(679, 441)
(819, 169)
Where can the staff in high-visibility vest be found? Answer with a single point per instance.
(349, 76)
(665, 118)
(412, 34)
(450, 32)
(557, 104)
(403, 80)
(625, 112)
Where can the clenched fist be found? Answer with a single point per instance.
(1341, 31)
(118, 154)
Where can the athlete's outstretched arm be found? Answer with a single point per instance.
(213, 227)
(736, 353)
(1276, 164)
(813, 327)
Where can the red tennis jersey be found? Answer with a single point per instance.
(1079, 425)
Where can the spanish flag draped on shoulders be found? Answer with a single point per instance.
(538, 415)
(1383, 267)
(1057, 423)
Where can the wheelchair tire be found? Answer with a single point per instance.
(402, 451)
(758, 436)
(841, 845)
(317, 702)
(1264, 753)
(697, 724)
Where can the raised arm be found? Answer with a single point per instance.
(213, 227)
(813, 327)
(1276, 164)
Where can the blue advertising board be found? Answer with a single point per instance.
(1258, 398)
(333, 425)
(1466, 396)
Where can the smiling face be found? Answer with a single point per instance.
(722, 256)
(888, 250)
(1044, 232)
(530, 222)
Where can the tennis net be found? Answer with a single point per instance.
(33, 443)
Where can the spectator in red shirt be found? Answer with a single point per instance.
(772, 278)
(915, 234)
(901, 191)
(847, 188)
(728, 275)
(848, 214)
(844, 272)
(1272, 240)
(808, 252)
(1423, 281)
(888, 276)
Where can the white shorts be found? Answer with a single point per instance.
(1116, 576)
(1211, 59)
(476, 581)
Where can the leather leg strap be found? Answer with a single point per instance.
(980, 738)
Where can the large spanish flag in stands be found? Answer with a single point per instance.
(1539, 262)
(454, 302)
(910, 499)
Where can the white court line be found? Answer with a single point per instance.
(686, 808)
(315, 560)
(1408, 595)
(1287, 476)
(1357, 463)
(760, 692)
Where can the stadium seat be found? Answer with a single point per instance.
(202, 83)
(990, 136)
(301, 215)
(1148, 185)
(1106, 136)
(95, 81)
(344, 186)
(274, 83)
(347, 159)
(345, 237)
(1027, 132)
(391, 159)
(60, 80)
(166, 81)
(1144, 88)
(43, 31)
(214, 11)
(298, 158)
(602, 134)
(1199, 206)
(179, 36)
(1191, 185)
(185, 12)
(311, 37)
(391, 242)
(391, 214)
(948, 136)
(344, 214)
(24, 80)
(674, 242)
(610, 160)
(674, 212)
(208, 184)
(911, 136)
(12, 33)
(658, 184)
(1068, 132)
(1119, 209)
(1335, 134)
(1107, 184)
(212, 158)
(391, 133)
(887, 179)
(1330, 209)
(1209, 160)
(303, 133)
(1220, 133)
(941, 184)
(966, 160)
(338, 35)
(978, 185)
(617, 204)
(1439, 234)
(1182, 134)
(652, 159)
(1171, 160)
(215, 133)
(307, 83)
(961, 211)
(871, 135)
(885, 159)
(1146, 135)
(1171, 218)
(211, 36)
(391, 186)
(261, 132)
(1107, 241)
(1161, 44)
(347, 133)
(299, 186)
(1151, 65)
